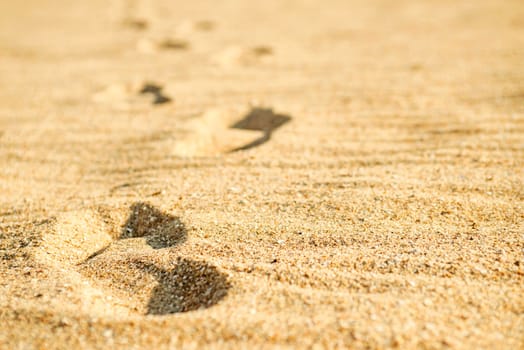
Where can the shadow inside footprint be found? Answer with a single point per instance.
(260, 119)
(190, 285)
(156, 91)
(135, 23)
(160, 230)
(172, 44)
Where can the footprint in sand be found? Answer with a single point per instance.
(133, 14)
(129, 268)
(138, 24)
(189, 27)
(155, 34)
(240, 56)
(154, 45)
(156, 92)
(125, 95)
(167, 39)
(220, 131)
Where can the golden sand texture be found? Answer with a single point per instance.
(262, 174)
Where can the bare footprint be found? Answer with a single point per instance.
(236, 55)
(152, 45)
(142, 16)
(189, 27)
(129, 268)
(220, 131)
(156, 91)
(204, 25)
(174, 44)
(133, 14)
(124, 95)
(138, 24)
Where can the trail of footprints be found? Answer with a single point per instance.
(214, 132)
(157, 36)
(127, 259)
(131, 264)
(131, 267)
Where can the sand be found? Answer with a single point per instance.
(271, 174)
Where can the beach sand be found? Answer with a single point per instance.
(270, 174)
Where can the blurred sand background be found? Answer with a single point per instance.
(252, 174)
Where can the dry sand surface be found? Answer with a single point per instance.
(257, 174)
